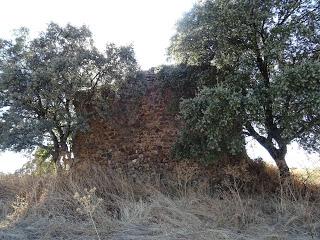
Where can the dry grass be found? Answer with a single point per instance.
(308, 175)
(100, 205)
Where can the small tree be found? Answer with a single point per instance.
(267, 55)
(40, 78)
(39, 164)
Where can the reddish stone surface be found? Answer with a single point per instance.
(142, 136)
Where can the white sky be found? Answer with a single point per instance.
(147, 24)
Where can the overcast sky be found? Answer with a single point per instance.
(147, 24)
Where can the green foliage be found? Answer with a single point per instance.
(40, 79)
(224, 32)
(123, 100)
(210, 131)
(185, 80)
(40, 164)
(267, 56)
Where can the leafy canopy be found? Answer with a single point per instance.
(267, 54)
(40, 79)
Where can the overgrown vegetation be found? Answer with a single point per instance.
(184, 80)
(41, 78)
(99, 204)
(245, 69)
(40, 164)
(267, 56)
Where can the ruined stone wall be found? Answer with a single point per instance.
(141, 137)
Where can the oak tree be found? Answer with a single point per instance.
(40, 79)
(268, 58)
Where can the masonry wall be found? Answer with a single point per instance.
(143, 137)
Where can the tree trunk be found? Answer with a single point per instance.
(56, 155)
(278, 155)
(283, 167)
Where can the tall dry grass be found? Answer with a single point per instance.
(98, 204)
